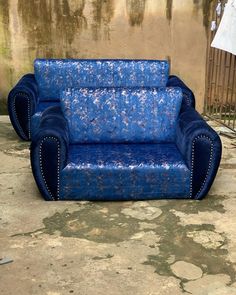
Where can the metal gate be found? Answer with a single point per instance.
(220, 98)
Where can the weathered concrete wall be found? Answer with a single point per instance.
(173, 29)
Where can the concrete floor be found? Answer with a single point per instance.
(141, 248)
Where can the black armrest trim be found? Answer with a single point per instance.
(21, 131)
(192, 164)
(55, 198)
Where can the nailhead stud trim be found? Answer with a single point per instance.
(192, 164)
(29, 117)
(188, 99)
(55, 198)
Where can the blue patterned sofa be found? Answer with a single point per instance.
(34, 93)
(121, 135)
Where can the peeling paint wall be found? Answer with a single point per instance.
(173, 29)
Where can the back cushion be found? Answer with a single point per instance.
(52, 76)
(116, 115)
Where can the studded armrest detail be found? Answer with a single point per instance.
(22, 102)
(49, 149)
(201, 148)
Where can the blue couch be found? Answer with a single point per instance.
(34, 93)
(124, 134)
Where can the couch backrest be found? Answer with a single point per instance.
(54, 75)
(119, 115)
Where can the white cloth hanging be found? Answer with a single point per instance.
(225, 38)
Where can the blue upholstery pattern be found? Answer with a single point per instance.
(55, 75)
(124, 172)
(137, 169)
(121, 131)
(119, 115)
(25, 106)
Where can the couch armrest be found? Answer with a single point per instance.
(22, 102)
(201, 148)
(188, 96)
(49, 150)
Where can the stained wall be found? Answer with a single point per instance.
(152, 29)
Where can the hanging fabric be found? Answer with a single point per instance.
(218, 9)
(225, 38)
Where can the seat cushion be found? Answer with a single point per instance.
(121, 115)
(54, 75)
(124, 172)
(35, 119)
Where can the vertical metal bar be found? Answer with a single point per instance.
(215, 73)
(228, 86)
(227, 74)
(219, 84)
(214, 82)
(219, 79)
(234, 95)
(209, 64)
(220, 96)
(231, 89)
(211, 55)
(223, 74)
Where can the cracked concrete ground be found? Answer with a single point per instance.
(141, 248)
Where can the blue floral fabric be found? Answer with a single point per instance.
(124, 172)
(118, 115)
(54, 75)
